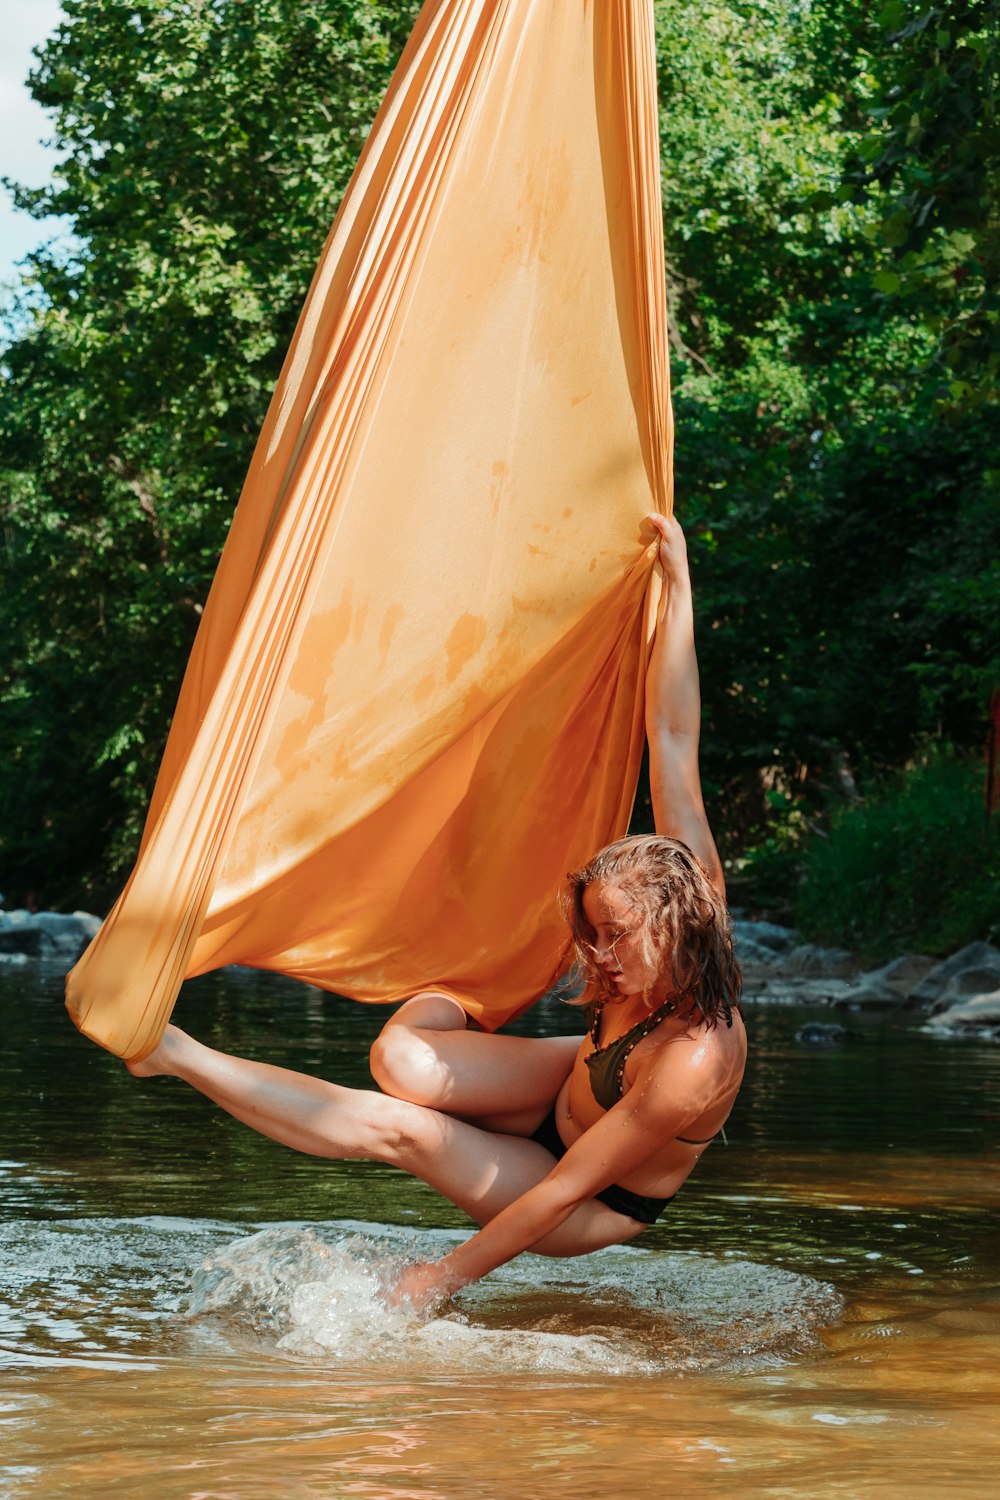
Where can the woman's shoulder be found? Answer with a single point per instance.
(695, 1044)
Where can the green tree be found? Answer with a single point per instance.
(205, 150)
(934, 157)
(846, 525)
(830, 201)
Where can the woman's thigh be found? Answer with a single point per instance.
(482, 1171)
(425, 1054)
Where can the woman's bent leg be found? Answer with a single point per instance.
(426, 1055)
(481, 1172)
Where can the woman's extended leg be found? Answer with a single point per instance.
(426, 1054)
(479, 1171)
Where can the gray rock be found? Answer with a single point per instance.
(812, 962)
(20, 933)
(54, 937)
(754, 956)
(978, 1016)
(943, 982)
(900, 975)
(862, 996)
(781, 989)
(889, 987)
(767, 937)
(63, 936)
(967, 983)
(12, 920)
(767, 952)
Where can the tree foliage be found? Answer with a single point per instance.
(915, 867)
(934, 152)
(841, 482)
(205, 150)
(830, 197)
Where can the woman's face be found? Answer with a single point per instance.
(618, 946)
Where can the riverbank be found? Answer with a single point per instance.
(959, 995)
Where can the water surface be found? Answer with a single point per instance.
(189, 1310)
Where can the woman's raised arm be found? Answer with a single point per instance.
(673, 709)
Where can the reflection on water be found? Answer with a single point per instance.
(188, 1310)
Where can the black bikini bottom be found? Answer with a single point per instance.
(633, 1205)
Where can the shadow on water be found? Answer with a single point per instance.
(819, 1308)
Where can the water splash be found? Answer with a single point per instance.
(100, 1290)
(315, 1294)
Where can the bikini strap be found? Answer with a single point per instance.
(640, 1030)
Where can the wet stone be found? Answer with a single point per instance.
(778, 989)
(767, 937)
(978, 962)
(823, 1034)
(812, 962)
(900, 975)
(55, 937)
(977, 1017)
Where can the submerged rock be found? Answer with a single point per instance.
(824, 1034)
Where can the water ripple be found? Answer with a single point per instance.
(100, 1290)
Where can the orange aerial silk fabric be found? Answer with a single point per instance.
(415, 698)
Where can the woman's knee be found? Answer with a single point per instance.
(404, 1064)
(389, 1059)
(404, 1059)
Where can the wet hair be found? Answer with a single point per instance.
(686, 938)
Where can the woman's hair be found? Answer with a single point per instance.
(683, 921)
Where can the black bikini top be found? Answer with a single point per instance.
(607, 1064)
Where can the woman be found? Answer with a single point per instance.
(555, 1145)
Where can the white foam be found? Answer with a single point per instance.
(315, 1294)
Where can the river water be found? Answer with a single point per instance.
(188, 1310)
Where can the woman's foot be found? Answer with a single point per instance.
(157, 1063)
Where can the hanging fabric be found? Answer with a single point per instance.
(415, 698)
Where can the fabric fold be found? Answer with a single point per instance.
(415, 696)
